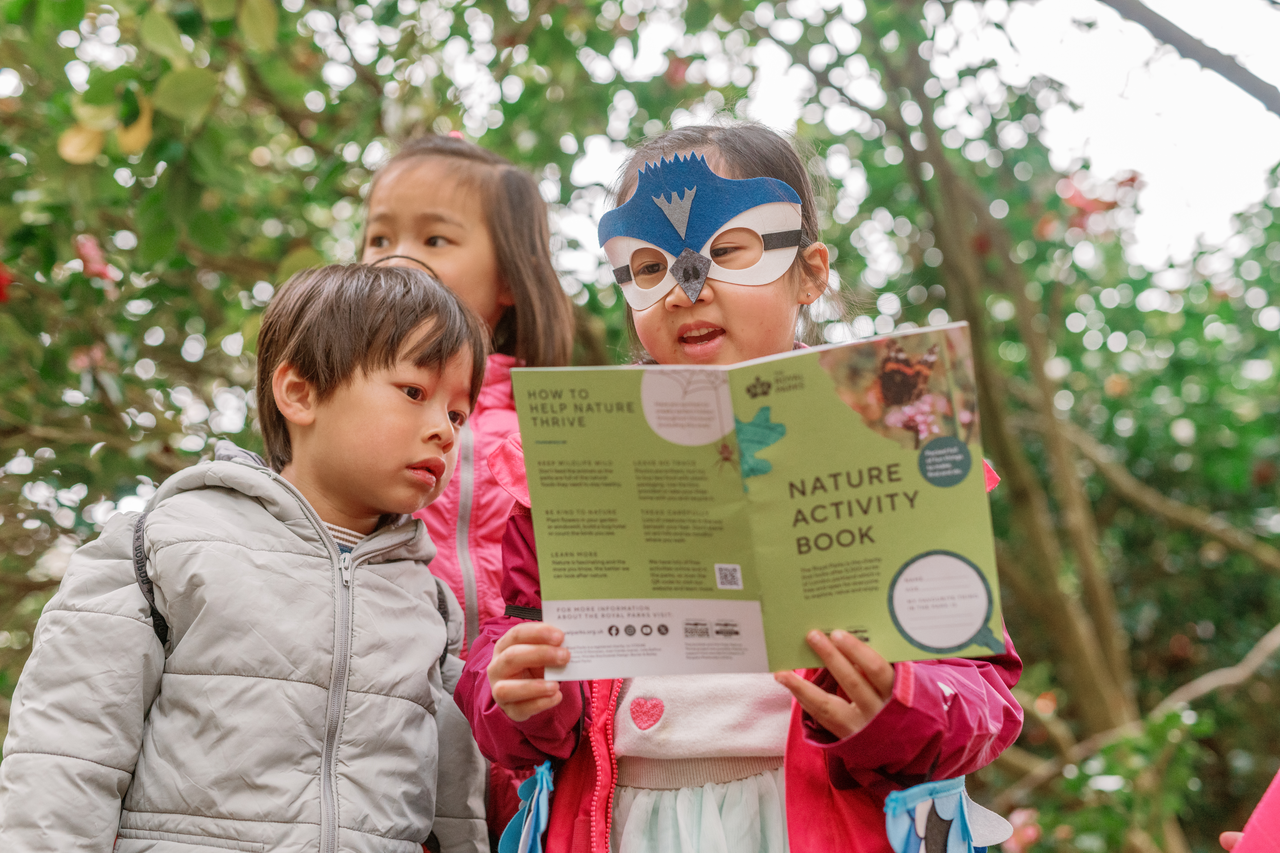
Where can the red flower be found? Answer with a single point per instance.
(6, 279)
(1026, 830)
(677, 66)
(90, 254)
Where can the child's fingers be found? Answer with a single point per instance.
(878, 671)
(525, 661)
(520, 699)
(837, 654)
(828, 710)
(1229, 840)
(530, 633)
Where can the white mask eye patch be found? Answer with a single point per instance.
(685, 224)
(772, 240)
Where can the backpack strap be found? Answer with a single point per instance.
(144, 581)
(442, 604)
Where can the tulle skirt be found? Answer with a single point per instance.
(745, 816)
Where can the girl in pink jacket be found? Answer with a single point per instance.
(479, 225)
(793, 760)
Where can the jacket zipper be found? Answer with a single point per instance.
(337, 700)
(466, 497)
(606, 742)
(344, 590)
(338, 697)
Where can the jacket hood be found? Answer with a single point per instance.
(244, 471)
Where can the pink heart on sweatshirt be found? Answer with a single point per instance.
(645, 713)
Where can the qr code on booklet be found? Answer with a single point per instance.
(728, 576)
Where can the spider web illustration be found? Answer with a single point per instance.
(695, 381)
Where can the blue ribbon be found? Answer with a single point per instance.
(524, 833)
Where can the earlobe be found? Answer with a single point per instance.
(818, 260)
(295, 397)
(505, 297)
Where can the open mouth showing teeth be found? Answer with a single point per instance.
(701, 336)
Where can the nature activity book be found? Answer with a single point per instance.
(704, 519)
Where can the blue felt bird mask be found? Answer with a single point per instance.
(667, 233)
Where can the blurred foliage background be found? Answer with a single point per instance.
(163, 166)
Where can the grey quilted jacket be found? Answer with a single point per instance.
(301, 703)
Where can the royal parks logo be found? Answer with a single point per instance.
(759, 388)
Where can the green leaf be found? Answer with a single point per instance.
(259, 20)
(210, 232)
(160, 33)
(697, 16)
(60, 15)
(157, 235)
(186, 94)
(218, 10)
(181, 192)
(299, 259)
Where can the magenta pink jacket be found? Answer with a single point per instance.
(467, 521)
(946, 718)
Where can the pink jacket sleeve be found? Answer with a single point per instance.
(551, 734)
(946, 718)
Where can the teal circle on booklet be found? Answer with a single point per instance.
(941, 602)
(945, 461)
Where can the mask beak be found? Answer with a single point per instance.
(690, 272)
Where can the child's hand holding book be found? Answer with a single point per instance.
(516, 673)
(862, 678)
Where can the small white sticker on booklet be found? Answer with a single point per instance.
(625, 638)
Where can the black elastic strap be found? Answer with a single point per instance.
(533, 614)
(781, 240)
(144, 581)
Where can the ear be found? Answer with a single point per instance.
(295, 397)
(818, 260)
(506, 298)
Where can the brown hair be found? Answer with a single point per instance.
(745, 150)
(332, 321)
(538, 328)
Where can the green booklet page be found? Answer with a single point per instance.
(704, 519)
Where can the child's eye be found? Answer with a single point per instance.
(378, 242)
(458, 418)
(651, 269)
(737, 249)
(435, 242)
(413, 392)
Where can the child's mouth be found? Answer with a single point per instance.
(701, 336)
(428, 471)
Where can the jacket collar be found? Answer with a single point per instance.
(400, 537)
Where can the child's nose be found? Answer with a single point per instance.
(678, 298)
(440, 429)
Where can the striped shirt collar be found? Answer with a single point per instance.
(347, 539)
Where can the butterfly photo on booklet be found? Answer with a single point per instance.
(913, 394)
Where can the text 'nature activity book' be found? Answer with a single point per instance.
(704, 519)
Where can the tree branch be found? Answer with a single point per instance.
(1146, 498)
(1059, 733)
(1197, 51)
(1226, 677)
(20, 585)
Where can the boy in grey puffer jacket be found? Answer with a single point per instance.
(300, 697)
